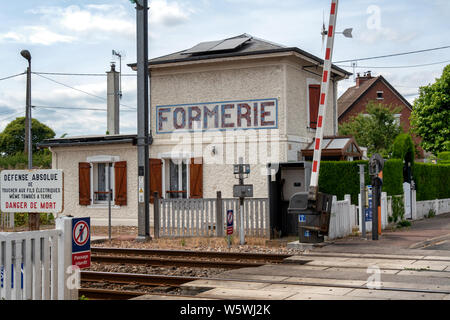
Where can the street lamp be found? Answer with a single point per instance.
(28, 138)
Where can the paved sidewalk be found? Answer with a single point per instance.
(411, 240)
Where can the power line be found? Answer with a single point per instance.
(82, 91)
(396, 67)
(11, 116)
(76, 108)
(80, 74)
(16, 75)
(393, 55)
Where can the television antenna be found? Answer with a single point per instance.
(119, 55)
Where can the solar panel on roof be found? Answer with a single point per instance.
(202, 47)
(213, 46)
(230, 44)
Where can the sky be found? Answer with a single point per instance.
(78, 36)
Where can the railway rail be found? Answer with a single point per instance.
(177, 258)
(192, 254)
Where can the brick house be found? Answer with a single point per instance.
(378, 89)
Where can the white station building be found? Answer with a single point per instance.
(210, 105)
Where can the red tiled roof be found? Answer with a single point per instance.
(352, 94)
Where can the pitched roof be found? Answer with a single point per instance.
(253, 46)
(349, 97)
(352, 94)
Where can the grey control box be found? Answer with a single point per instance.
(243, 191)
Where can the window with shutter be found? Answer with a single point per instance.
(314, 97)
(196, 178)
(155, 178)
(84, 183)
(120, 173)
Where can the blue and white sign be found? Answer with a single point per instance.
(307, 234)
(81, 242)
(230, 222)
(12, 276)
(302, 218)
(217, 116)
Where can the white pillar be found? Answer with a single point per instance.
(65, 259)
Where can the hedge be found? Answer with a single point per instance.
(342, 177)
(432, 181)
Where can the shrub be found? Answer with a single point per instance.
(403, 148)
(444, 157)
(432, 181)
(393, 177)
(342, 177)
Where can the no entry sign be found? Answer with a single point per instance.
(81, 242)
(230, 222)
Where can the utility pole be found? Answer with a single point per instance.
(28, 137)
(143, 140)
(33, 218)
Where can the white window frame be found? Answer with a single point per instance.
(94, 161)
(398, 118)
(382, 95)
(186, 158)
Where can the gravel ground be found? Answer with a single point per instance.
(170, 271)
(124, 238)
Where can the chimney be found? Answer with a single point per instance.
(113, 112)
(361, 79)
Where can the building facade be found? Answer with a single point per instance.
(369, 88)
(248, 99)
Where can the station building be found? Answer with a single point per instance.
(210, 105)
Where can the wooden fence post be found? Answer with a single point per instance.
(156, 207)
(219, 215)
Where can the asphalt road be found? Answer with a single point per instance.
(442, 245)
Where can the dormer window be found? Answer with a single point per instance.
(380, 95)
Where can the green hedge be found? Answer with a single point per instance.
(393, 177)
(445, 156)
(432, 181)
(342, 177)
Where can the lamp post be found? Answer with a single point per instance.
(28, 138)
(33, 218)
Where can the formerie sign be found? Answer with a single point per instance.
(218, 116)
(32, 191)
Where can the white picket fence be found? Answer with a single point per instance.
(6, 220)
(343, 218)
(34, 264)
(207, 218)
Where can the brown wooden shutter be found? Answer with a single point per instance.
(314, 98)
(84, 183)
(196, 178)
(120, 179)
(155, 178)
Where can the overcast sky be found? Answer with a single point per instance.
(77, 36)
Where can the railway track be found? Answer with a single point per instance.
(160, 258)
(180, 258)
(191, 254)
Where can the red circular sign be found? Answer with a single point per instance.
(81, 233)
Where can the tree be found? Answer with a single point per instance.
(403, 148)
(375, 130)
(12, 139)
(430, 117)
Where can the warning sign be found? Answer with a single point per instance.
(32, 191)
(81, 242)
(230, 222)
